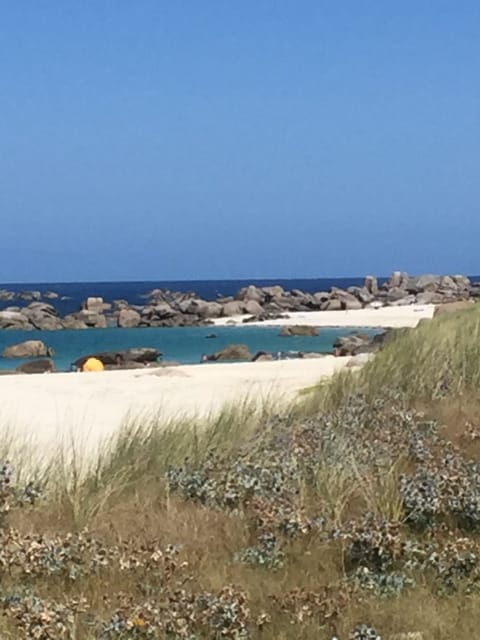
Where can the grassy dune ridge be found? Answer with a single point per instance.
(356, 511)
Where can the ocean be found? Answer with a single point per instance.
(183, 345)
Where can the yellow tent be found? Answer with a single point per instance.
(92, 364)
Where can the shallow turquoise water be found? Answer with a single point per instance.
(184, 345)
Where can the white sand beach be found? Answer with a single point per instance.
(387, 317)
(51, 409)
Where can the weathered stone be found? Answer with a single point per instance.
(28, 349)
(331, 305)
(14, 320)
(232, 352)
(72, 322)
(128, 318)
(37, 366)
(371, 284)
(253, 308)
(235, 308)
(250, 293)
(299, 330)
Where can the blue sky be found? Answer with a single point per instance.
(252, 138)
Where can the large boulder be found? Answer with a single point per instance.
(272, 293)
(250, 293)
(28, 349)
(234, 308)
(232, 352)
(73, 322)
(43, 316)
(331, 305)
(253, 308)
(30, 295)
(128, 318)
(96, 305)
(92, 319)
(299, 330)
(14, 320)
(347, 300)
(352, 344)
(37, 366)
(371, 284)
(203, 309)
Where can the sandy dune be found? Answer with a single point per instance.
(51, 408)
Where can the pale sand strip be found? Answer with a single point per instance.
(50, 409)
(388, 317)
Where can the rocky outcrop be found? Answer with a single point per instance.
(120, 358)
(299, 330)
(129, 318)
(165, 308)
(10, 319)
(37, 366)
(28, 349)
(232, 352)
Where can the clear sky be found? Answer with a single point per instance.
(155, 139)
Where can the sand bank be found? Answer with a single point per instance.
(387, 317)
(50, 409)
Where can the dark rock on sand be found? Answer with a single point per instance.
(37, 366)
(141, 355)
(232, 352)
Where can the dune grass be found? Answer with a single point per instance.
(125, 496)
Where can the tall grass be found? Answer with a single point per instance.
(440, 358)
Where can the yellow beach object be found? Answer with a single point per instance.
(93, 364)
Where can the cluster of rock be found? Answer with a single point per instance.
(7, 296)
(175, 309)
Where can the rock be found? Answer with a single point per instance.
(299, 330)
(72, 322)
(347, 300)
(28, 349)
(264, 316)
(37, 366)
(235, 308)
(211, 336)
(142, 354)
(462, 282)
(204, 309)
(371, 285)
(398, 279)
(396, 293)
(92, 319)
(253, 308)
(362, 294)
(128, 318)
(331, 305)
(250, 293)
(51, 295)
(29, 295)
(14, 320)
(43, 316)
(96, 305)
(352, 344)
(402, 302)
(121, 358)
(262, 356)
(232, 352)
(429, 297)
(424, 283)
(6, 295)
(272, 293)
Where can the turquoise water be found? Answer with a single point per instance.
(184, 345)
